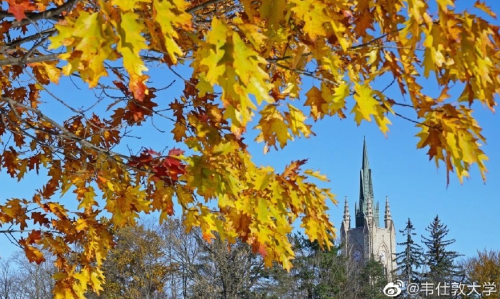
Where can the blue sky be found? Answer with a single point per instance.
(415, 187)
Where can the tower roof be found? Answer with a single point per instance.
(387, 208)
(366, 186)
(365, 163)
(347, 218)
(365, 190)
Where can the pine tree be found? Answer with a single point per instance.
(319, 273)
(373, 280)
(411, 258)
(439, 260)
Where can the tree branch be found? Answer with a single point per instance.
(375, 39)
(203, 5)
(21, 60)
(65, 134)
(35, 16)
(32, 37)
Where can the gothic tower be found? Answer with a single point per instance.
(367, 240)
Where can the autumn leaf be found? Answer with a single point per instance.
(130, 44)
(273, 127)
(313, 13)
(318, 105)
(19, 8)
(46, 72)
(482, 6)
(171, 15)
(365, 103)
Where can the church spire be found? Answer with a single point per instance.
(387, 217)
(366, 186)
(347, 218)
(365, 164)
(365, 190)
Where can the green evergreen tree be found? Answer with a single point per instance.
(410, 260)
(320, 274)
(325, 274)
(373, 280)
(440, 261)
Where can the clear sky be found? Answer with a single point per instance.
(415, 187)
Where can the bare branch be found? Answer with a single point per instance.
(19, 60)
(23, 40)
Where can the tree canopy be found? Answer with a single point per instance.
(411, 258)
(247, 62)
(484, 268)
(440, 261)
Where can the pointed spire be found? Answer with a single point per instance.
(387, 217)
(347, 217)
(365, 183)
(387, 208)
(365, 189)
(365, 164)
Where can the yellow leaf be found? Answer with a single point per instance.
(172, 15)
(372, 56)
(273, 11)
(224, 148)
(88, 199)
(47, 72)
(272, 127)
(317, 175)
(316, 102)
(262, 180)
(365, 103)
(443, 4)
(336, 100)
(212, 55)
(295, 119)
(88, 43)
(130, 45)
(314, 16)
(247, 66)
(482, 6)
(262, 211)
(125, 5)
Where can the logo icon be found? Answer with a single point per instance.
(393, 289)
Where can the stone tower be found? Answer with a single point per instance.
(367, 240)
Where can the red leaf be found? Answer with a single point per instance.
(141, 160)
(171, 162)
(207, 236)
(175, 152)
(138, 88)
(122, 87)
(262, 250)
(152, 152)
(39, 217)
(19, 9)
